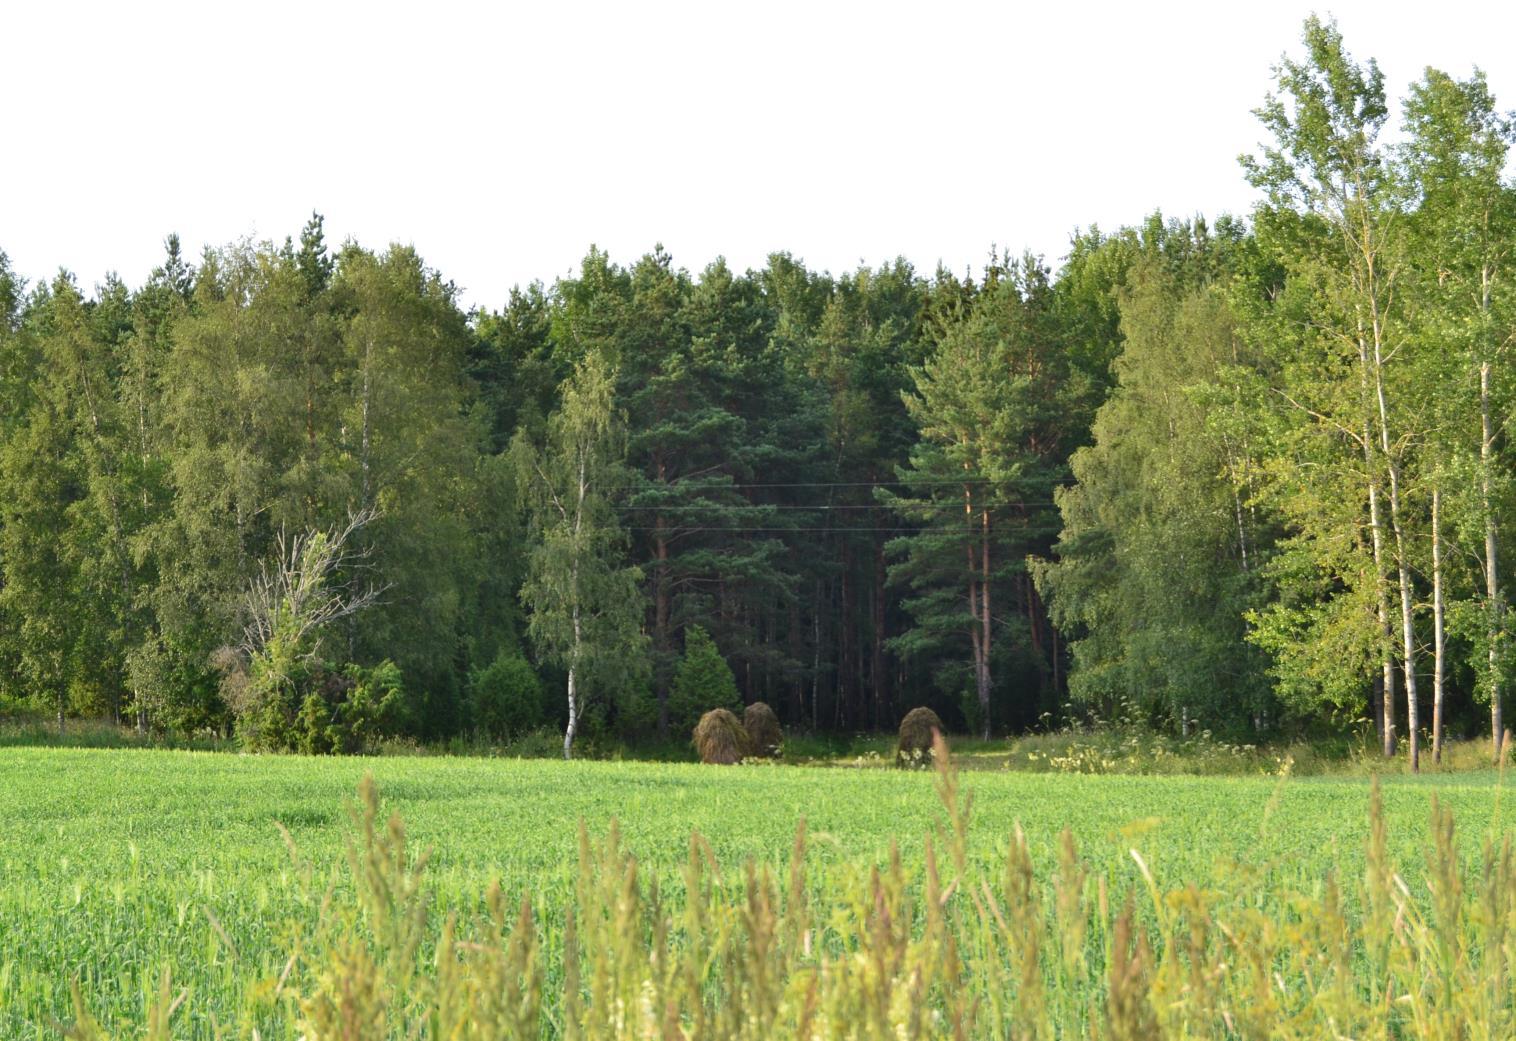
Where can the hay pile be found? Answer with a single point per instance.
(915, 745)
(719, 738)
(763, 731)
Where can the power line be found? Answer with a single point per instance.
(696, 507)
(794, 531)
(830, 484)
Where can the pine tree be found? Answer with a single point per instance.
(989, 402)
(702, 681)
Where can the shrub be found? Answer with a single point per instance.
(314, 733)
(914, 747)
(506, 697)
(702, 681)
(636, 711)
(370, 704)
(319, 709)
(763, 730)
(15, 710)
(720, 739)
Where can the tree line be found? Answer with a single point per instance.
(1247, 475)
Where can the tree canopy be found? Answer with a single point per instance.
(1248, 474)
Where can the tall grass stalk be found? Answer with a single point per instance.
(946, 949)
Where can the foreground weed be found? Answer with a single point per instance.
(952, 949)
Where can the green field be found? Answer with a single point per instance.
(115, 863)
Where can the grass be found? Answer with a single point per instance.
(118, 865)
(1117, 747)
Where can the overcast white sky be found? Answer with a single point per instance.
(502, 139)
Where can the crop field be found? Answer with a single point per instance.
(118, 865)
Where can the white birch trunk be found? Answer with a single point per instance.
(574, 707)
(1439, 668)
(1382, 608)
(1491, 567)
(1402, 566)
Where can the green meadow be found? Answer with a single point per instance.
(118, 864)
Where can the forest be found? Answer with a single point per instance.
(1249, 474)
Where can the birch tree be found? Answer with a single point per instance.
(584, 606)
(1455, 156)
(1154, 564)
(1327, 168)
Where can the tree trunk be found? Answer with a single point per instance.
(1033, 615)
(976, 640)
(879, 674)
(1057, 662)
(1387, 703)
(816, 661)
(661, 636)
(1491, 569)
(845, 638)
(573, 672)
(1376, 706)
(1402, 567)
(984, 624)
(1408, 638)
(1242, 532)
(574, 651)
(573, 720)
(1438, 643)
(365, 461)
(797, 687)
(1371, 384)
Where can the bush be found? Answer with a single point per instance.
(314, 733)
(702, 681)
(374, 705)
(14, 710)
(636, 710)
(914, 747)
(319, 709)
(763, 731)
(506, 697)
(720, 739)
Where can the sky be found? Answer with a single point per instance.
(502, 140)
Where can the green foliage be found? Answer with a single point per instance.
(584, 605)
(1192, 469)
(313, 733)
(320, 709)
(991, 402)
(506, 697)
(1155, 566)
(376, 705)
(702, 681)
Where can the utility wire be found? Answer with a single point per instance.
(671, 531)
(889, 482)
(678, 508)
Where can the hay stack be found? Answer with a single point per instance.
(719, 738)
(915, 745)
(763, 731)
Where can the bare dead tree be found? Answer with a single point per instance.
(295, 596)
